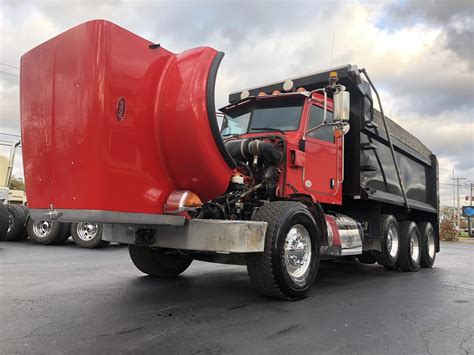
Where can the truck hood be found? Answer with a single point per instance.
(113, 122)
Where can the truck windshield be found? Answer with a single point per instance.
(263, 116)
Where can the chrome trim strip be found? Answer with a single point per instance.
(98, 216)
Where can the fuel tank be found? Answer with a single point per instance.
(113, 122)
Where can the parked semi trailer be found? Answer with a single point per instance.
(304, 169)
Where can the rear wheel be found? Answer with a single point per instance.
(388, 255)
(16, 223)
(158, 262)
(290, 261)
(410, 247)
(3, 221)
(47, 232)
(88, 235)
(428, 246)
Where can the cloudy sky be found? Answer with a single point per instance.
(420, 53)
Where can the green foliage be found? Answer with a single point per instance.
(17, 183)
(448, 230)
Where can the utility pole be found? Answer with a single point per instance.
(458, 179)
(469, 219)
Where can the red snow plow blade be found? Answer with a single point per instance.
(112, 124)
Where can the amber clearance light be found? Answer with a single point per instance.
(180, 201)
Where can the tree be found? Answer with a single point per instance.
(447, 230)
(17, 183)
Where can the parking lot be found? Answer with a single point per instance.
(63, 299)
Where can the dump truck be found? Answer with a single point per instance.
(118, 130)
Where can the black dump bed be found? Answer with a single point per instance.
(370, 172)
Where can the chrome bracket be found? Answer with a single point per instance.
(52, 214)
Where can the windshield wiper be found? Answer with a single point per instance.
(267, 129)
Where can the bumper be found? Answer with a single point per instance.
(198, 235)
(65, 215)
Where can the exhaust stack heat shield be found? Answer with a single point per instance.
(111, 122)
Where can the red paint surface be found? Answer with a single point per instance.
(79, 155)
(323, 161)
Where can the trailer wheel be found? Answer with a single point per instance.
(47, 232)
(88, 235)
(16, 223)
(3, 222)
(390, 243)
(158, 262)
(410, 247)
(290, 261)
(24, 235)
(428, 246)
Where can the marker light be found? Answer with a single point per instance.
(276, 92)
(180, 201)
(244, 94)
(288, 85)
(261, 93)
(301, 89)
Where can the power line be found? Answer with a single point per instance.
(10, 134)
(10, 74)
(9, 65)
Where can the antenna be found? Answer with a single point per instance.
(332, 49)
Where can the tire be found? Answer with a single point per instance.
(88, 235)
(410, 247)
(16, 223)
(3, 221)
(46, 232)
(390, 243)
(273, 272)
(158, 262)
(27, 214)
(366, 258)
(428, 244)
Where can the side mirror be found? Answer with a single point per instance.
(342, 108)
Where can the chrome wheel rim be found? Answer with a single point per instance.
(10, 222)
(297, 253)
(414, 248)
(392, 241)
(87, 231)
(42, 228)
(431, 245)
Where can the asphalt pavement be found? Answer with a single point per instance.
(67, 300)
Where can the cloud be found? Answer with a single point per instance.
(418, 53)
(454, 18)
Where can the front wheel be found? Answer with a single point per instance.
(158, 262)
(290, 261)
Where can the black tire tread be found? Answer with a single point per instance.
(381, 256)
(425, 261)
(17, 232)
(152, 262)
(259, 265)
(404, 259)
(3, 221)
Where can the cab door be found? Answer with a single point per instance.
(322, 174)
